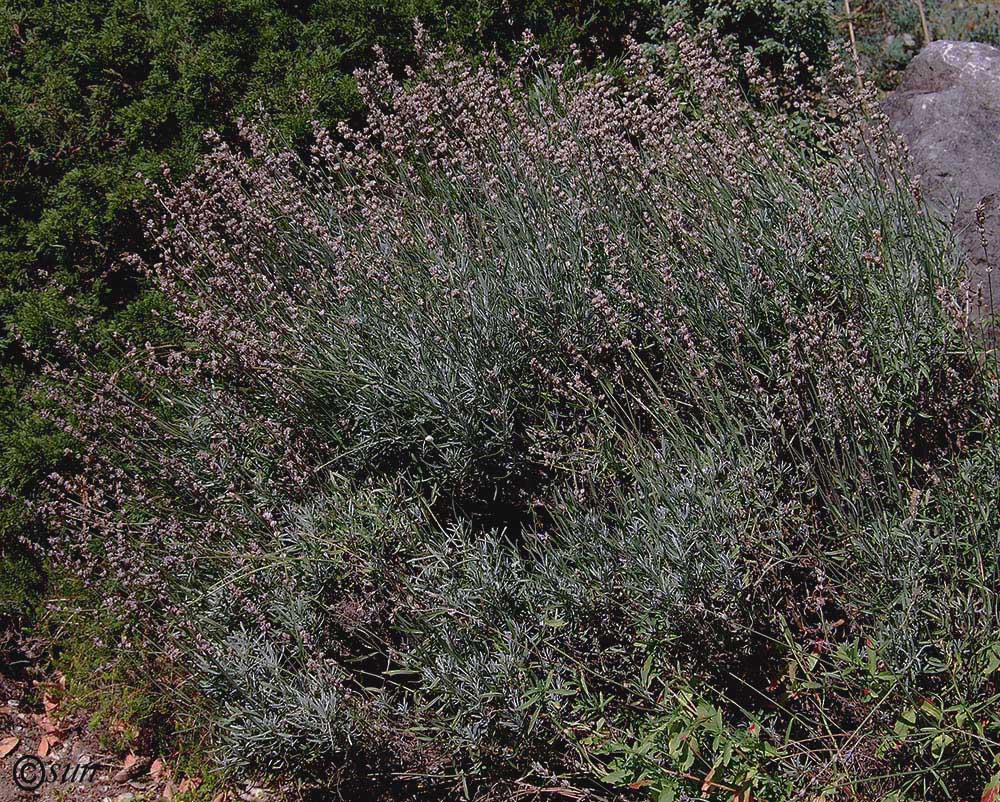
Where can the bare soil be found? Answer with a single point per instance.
(36, 737)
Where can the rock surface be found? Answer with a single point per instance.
(947, 109)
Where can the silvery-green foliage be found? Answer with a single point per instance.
(271, 631)
(547, 382)
(274, 706)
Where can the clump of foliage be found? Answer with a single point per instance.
(559, 432)
(778, 31)
(93, 93)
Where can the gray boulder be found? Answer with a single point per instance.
(947, 109)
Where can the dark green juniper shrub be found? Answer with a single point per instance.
(618, 433)
(778, 31)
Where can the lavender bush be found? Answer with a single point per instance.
(618, 433)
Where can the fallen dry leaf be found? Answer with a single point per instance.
(51, 726)
(188, 784)
(134, 766)
(8, 745)
(168, 790)
(117, 727)
(221, 797)
(156, 769)
(46, 744)
(47, 723)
